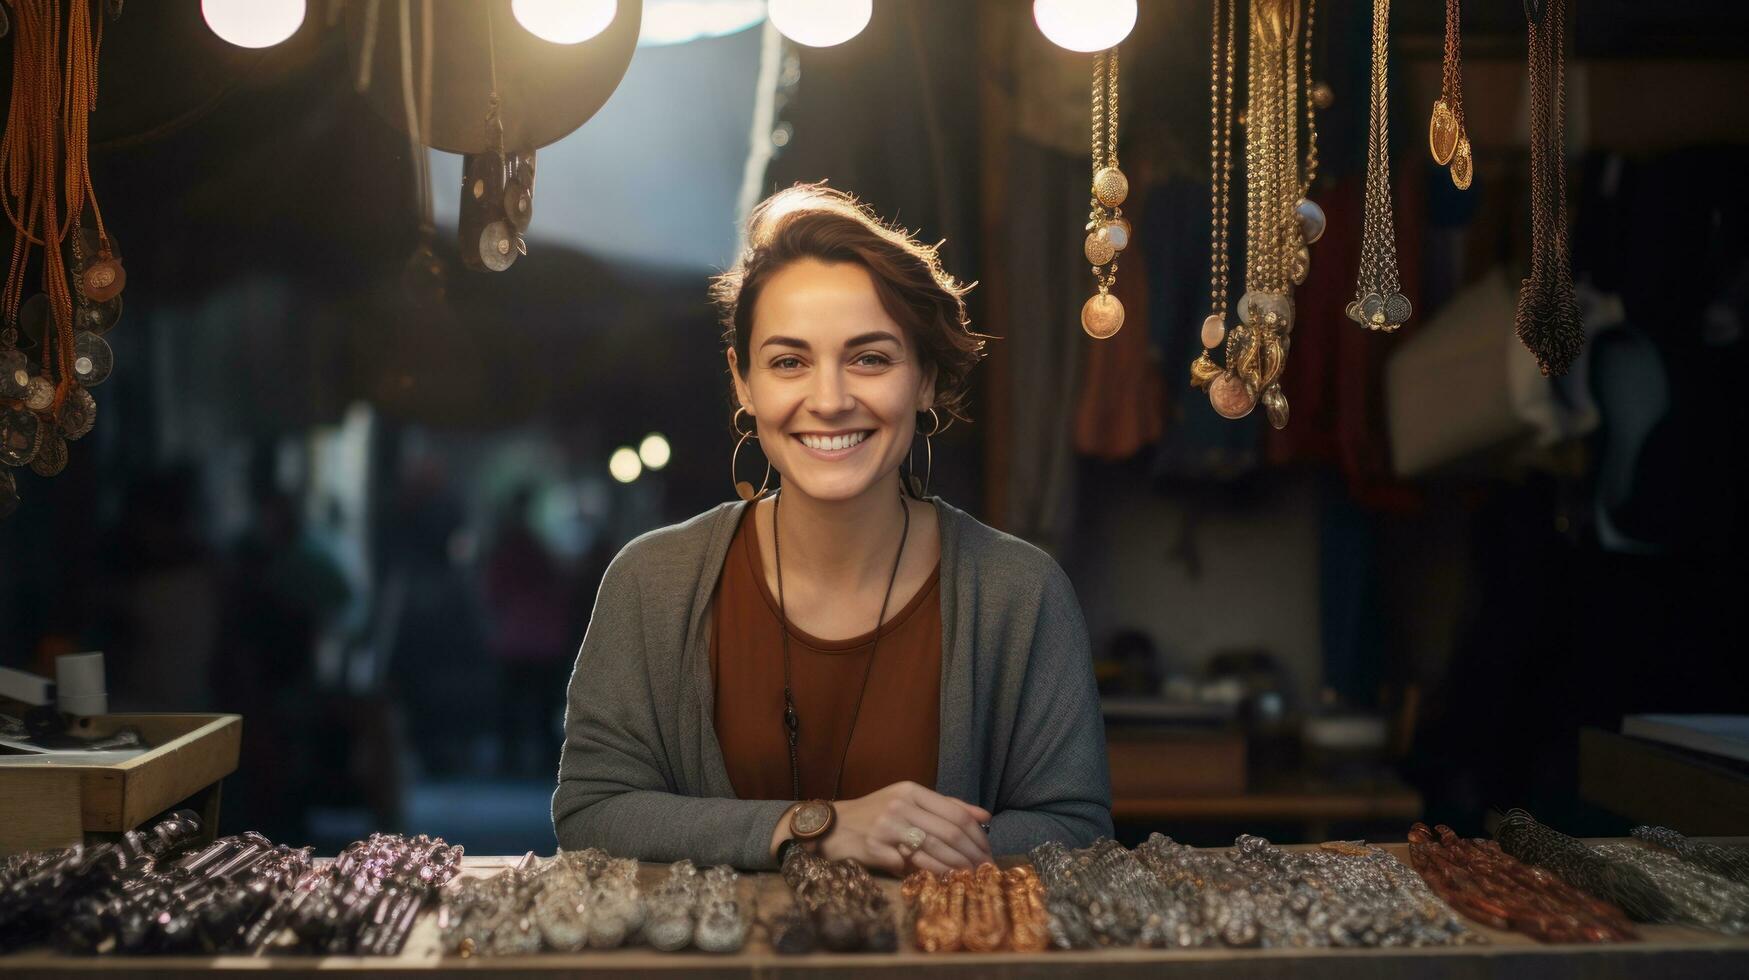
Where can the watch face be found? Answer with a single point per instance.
(811, 819)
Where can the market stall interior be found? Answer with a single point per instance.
(1394, 479)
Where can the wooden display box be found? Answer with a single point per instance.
(50, 805)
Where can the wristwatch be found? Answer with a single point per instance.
(809, 820)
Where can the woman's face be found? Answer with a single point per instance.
(831, 380)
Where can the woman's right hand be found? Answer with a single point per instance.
(870, 830)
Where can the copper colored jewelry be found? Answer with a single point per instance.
(1492, 887)
(986, 912)
(1379, 303)
(934, 929)
(1108, 231)
(1028, 922)
(1447, 137)
(45, 171)
(1548, 320)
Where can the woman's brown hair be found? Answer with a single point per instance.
(819, 222)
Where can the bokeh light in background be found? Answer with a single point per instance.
(654, 452)
(1085, 25)
(253, 23)
(564, 21)
(820, 23)
(624, 464)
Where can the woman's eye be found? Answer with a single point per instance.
(872, 359)
(787, 363)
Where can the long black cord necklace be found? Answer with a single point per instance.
(791, 723)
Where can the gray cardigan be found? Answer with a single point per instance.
(642, 774)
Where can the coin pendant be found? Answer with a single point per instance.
(1463, 166)
(1231, 397)
(1442, 132)
(1097, 249)
(39, 394)
(1111, 187)
(102, 280)
(1116, 233)
(1102, 316)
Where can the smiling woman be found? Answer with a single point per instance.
(839, 665)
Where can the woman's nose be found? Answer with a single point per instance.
(829, 395)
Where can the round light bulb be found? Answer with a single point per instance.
(654, 452)
(820, 23)
(253, 23)
(623, 465)
(1085, 25)
(564, 21)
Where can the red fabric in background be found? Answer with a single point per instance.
(1334, 379)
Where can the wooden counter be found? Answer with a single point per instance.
(1662, 951)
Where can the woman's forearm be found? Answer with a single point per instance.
(656, 826)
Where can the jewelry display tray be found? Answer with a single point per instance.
(1661, 951)
(45, 805)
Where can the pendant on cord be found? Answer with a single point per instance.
(1108, 231)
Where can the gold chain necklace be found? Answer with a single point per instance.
(1379, 303)
(1548, 318)
(1280, 222)
(1108, 232)
(1446, 135)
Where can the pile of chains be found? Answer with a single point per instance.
(52, 347)
(837, 907)
(1496, 889)
(1548, 319)
(589, 900)
(1699, 897)
(1164, 894)
(1281, 223)
(1731, 862)
(39, 890)
(158, 892)
(1379, 303)
(364, 902)
(1616, 882)
(979, 911)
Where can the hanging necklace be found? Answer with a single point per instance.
(1379, 303)
(1446, 135)
(1279, 221)
(791, 722)
(46, 176)
(1108, 232)
(1548, 314)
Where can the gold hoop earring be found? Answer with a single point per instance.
(920, 489)
(743, 488)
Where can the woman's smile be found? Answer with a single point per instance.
(833, 445)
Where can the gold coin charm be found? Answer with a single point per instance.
(1097, 249)
(1102, 316)
(1115, 233)
(1231, 396)
(103, 280)
(1110, 186)
(1203, 370)
(1463, 166)
(1442, 132)
(1300, 266)
(1275, 403)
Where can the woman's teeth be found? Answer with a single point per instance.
(828, 444)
